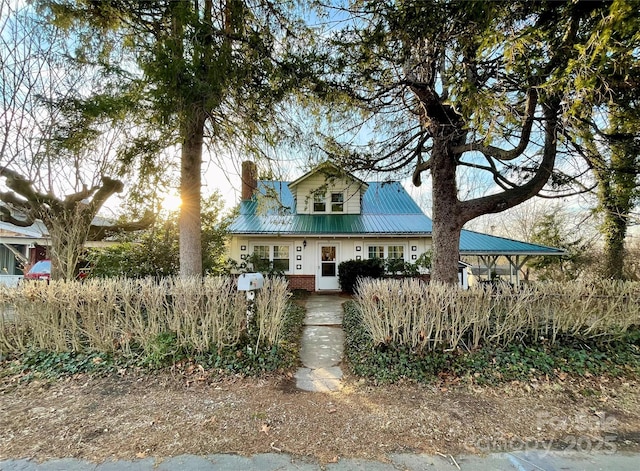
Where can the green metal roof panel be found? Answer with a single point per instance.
(347, 224)
(386, 209)
(389, 198)
(476, 243)
(380, 198)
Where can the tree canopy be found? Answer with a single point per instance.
(50, 170)
(209, 72)
(605, 123)
(446, 87)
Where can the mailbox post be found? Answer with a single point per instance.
(250, 283)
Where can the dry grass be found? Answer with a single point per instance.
(110, 315)
(429, 317)
(162, 415)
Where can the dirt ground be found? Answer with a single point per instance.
(132, 416)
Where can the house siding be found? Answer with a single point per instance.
(305, 263)
(304, 194)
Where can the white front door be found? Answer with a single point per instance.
(328, 271)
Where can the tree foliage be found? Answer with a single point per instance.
(49, 169)
(155, 251)
(485, 91)
(210, 71)
(553, 230)
(605, 124)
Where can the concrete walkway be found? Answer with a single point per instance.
(517, 461)
(322, 344)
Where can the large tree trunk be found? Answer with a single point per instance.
(68, 230)
(446, 252)
(616, 189)
(190, 190)
(446, 214)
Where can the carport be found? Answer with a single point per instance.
(488, 250)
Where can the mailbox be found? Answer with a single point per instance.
(250, 281)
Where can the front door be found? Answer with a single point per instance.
(328, 276)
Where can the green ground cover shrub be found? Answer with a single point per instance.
(401, 329)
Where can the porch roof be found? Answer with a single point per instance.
(476, 243)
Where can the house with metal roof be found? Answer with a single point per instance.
(307, 227)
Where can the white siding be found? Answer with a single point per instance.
(305, 260)
(304, 193)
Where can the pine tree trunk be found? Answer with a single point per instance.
(446, 215)
(190, 192)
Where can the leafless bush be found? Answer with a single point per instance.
(124, 315)
(271, 306)
(429, 317)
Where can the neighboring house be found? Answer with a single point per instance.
(307, 227)
(21, 247)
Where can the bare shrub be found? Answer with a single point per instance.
(271, 305)
(428, 317)
(124, 315)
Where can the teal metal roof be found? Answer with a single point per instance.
(476, 243)
(387, 209)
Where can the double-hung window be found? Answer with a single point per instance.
(333, 203)
(278, 256)
(376, 251)
(319, 203)
(388, 252)
(337, 202)
(281, 257)
(395, 252)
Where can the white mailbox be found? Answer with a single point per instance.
(250, 281)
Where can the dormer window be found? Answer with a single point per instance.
(319, 203)
(337, 202)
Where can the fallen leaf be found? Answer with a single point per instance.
(141, 454)
(265, 428)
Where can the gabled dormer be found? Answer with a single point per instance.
(327, 189)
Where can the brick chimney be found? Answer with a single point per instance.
(249, 179)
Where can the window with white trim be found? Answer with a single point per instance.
(319, 203)
(395, 252)
(388, 252)
(279, 256)
(337, 202)
(376, 251)
(262, 251)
